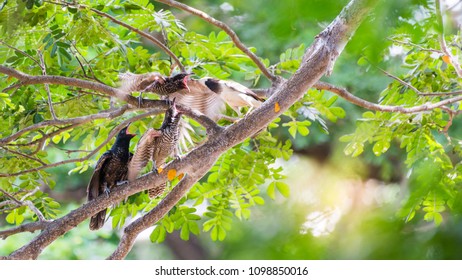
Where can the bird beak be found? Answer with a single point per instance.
(185, 82)
(127, 132)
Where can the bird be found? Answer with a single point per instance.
(166, 144)
(234, 94)
(110, 169)
(153, 82)
(209, 96)
(143, 153)
(169, 85)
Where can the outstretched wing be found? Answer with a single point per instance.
(93, 189)
(130, 82)
(201, 99)
(243, 89)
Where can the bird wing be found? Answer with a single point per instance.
(142, 155)
(201, 99)
(243, 89)
(130, 82)
(93, 189)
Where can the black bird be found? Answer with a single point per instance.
(111, 168)
(167, 144)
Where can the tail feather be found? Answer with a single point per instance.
(97, 221)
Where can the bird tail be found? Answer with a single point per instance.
(97, 221)
(157, 190)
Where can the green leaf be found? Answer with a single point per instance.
(303, 130)
(10, 218)
(283, 188)
(271, 191)
(293, 131)
(184, 234)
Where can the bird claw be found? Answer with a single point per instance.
(155, 170)
(122, 182)
(107, 191)
(140, 100)
(178, 157)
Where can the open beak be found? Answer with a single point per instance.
(185, 82)
(128, 132)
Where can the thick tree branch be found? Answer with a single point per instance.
(228, 31)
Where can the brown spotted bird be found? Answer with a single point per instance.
(167, 144)
(153, 82)
(110, 169)
(169, 85)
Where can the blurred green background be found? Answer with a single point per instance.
(340, 207)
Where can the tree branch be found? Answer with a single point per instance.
(31, 227)
(383, 108)
(47, 88)
(228, 31)
(108, 114)
(24, 202)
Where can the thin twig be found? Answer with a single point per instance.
(10, 196)
(109, 114)
(47, 88)
(400, 81)
(383, 108)
(415, 45)
(88, 64)
(23, 202)
(457, 92)
(228, 31)
(31, 227)
(21, 52)
(24, 155)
